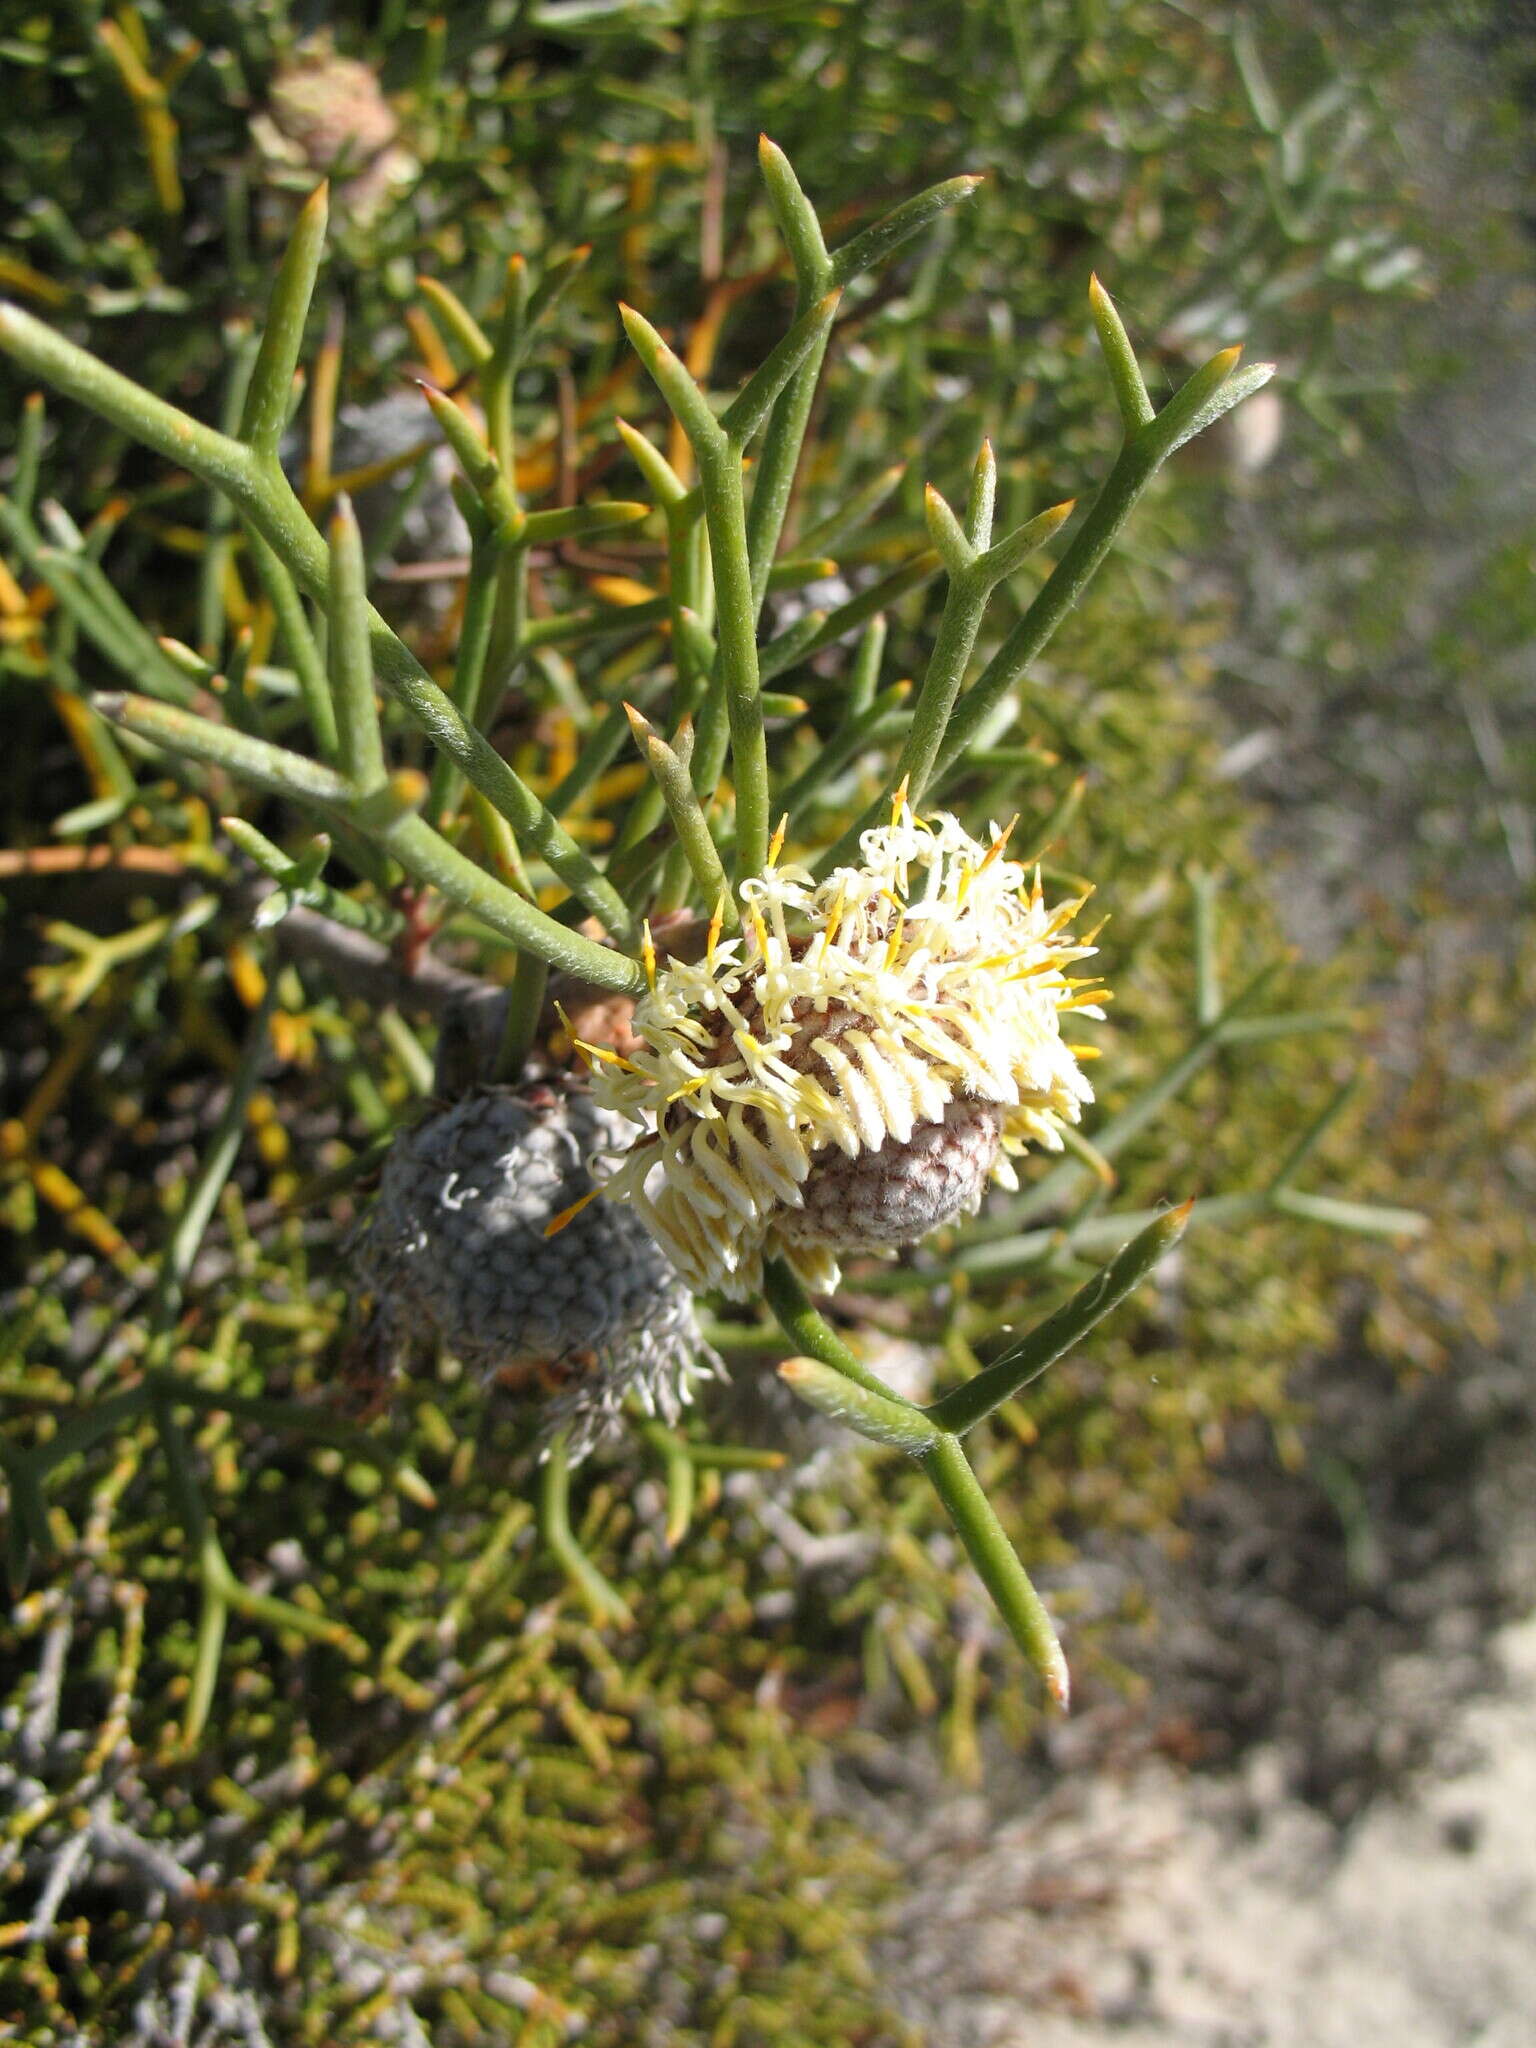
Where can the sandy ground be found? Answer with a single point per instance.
(1151, 1909)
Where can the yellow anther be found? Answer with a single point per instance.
(834, 919)
(648, 955)
(776, 843)
(1063, 917)
(606, 1054)
(999, 842)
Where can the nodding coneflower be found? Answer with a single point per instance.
(851, 1070)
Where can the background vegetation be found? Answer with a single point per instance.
(431, 1799)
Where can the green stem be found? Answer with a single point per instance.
(29, 454)
(816, 1338)
(469, 666)
(525, 1002)
(719, 462)
(264, 495)
(419, 850)
(677, 1457)
(220, 514)
(673, 779)
(965, 606)
(427, 855)
(1212, 390)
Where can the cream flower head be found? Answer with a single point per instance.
(849, 1072)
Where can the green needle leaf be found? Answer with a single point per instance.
(736, 599)
(898, 226)
(946, 532)
(796, 218)
(221, 746)
(675, 383)
(1136, 407)
(577, 522)
(982, 501)
(359, 741)
(669, 770)
(269, 396)
(477, 462)
(653, 466)
(1010, 553)
(966, 1406)
(457, 318)
(833, 1394)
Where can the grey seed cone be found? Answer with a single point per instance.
(455, 1251)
